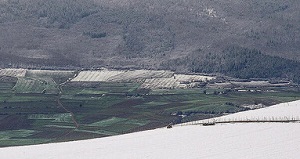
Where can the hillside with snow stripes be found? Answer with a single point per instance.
(13, 72)
(265, 140)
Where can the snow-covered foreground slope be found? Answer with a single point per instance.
(221, 141)
(279, 112)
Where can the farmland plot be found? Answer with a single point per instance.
(259, 84)
(57, 75)
(160, 83)
(7, 83)
(153, 79)
(19, 137)
(29, 85)
(132, 76)
(49, 73)
(177, 81)
(13, 72)
(192, 78)
(63, 117)
(95, 76)
(119, 125)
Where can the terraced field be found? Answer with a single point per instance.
(192, 78)
(59, 76)
(120, 76)
(177, 81)
(150, 79)
(7, 83)
(95, 76)
(30, 85)
(48, 73)
(63, 117)
(13, 72)
(160, 83)
(134, 76)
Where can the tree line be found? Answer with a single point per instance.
(50, 13)
(239, 62)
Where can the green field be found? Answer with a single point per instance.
(36, 85)
(36, 110)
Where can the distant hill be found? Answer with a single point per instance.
(153, 34)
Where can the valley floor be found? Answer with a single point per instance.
(239, 140)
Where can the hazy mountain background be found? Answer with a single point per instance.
(241, 38)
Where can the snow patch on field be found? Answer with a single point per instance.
(120, 76)
(177, 81)
(95, 76)
(13, 72)
(39, 73)
(135, 75)
(150, 79)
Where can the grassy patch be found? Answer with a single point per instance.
(22, 142)
(4, 97)
(176, 91)
(91, 91)
(108, 122)
(222, 108)
(119, 125)
(99, 88)
(115, 120)
(101, 132)
(64, 117)
(29, 98)
(31, 85)
(151, 104)
(61, 126)
(15, 134)
(6, 85)
(19, 138)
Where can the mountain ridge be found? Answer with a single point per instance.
(144, 34)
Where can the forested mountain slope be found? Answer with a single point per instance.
(182, 35)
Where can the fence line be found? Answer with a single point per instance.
(272, 119)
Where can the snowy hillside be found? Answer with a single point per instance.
(281, 112)
(221, 141)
